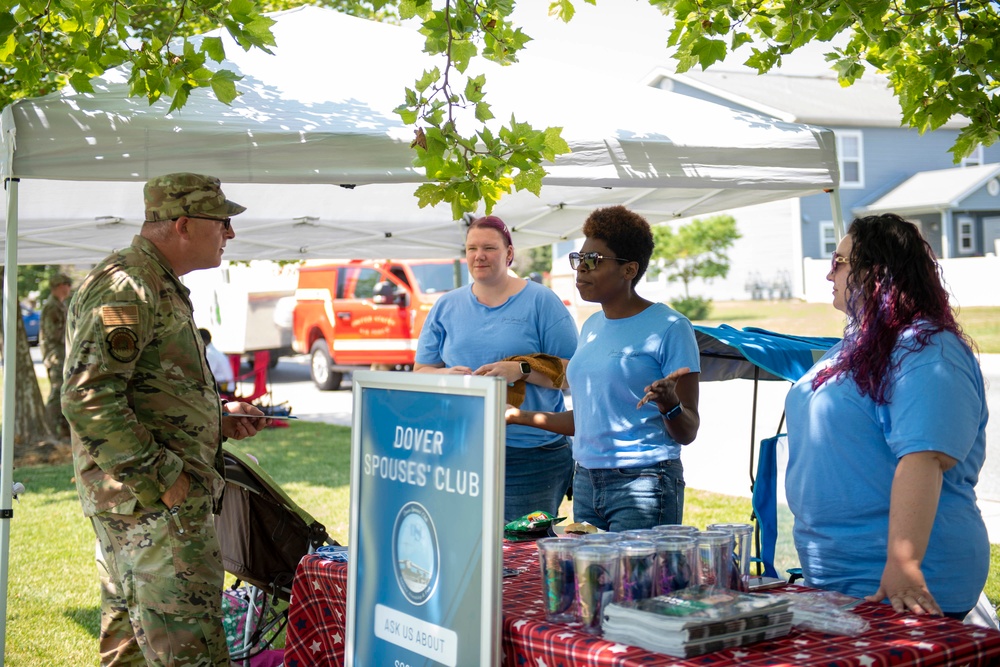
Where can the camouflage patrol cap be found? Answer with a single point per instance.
(171, 196)
(60, 279)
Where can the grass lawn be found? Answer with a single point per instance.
(821, 319)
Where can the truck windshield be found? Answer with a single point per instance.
(434, 278)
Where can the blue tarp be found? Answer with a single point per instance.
(728, 353)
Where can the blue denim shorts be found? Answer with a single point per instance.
(620, 499)
(537, 478)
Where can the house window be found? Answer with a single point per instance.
(975, 158)
(827, 238)
(849, 153)
(966, 244)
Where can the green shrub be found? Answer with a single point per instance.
(693, 307)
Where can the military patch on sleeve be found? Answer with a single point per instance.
(119, 316)
(122, 344)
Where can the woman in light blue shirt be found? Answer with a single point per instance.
(474, 329)
(887, 435)
(634, 378)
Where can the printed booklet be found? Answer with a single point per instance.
(697, 605)
(658, 642)
(697, 620)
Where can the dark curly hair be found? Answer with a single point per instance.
(625, 232)
(894, 283)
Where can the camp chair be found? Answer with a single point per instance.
(262, 534)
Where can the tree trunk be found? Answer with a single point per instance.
(30, 425)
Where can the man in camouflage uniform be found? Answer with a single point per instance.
(52, 342)
(147, 428)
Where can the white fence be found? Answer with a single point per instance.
(972, 281)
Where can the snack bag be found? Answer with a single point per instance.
(531, 526)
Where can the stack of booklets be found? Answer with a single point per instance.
(697, 620)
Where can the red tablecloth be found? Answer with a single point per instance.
(317, 619)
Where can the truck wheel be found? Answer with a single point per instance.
(324, 377)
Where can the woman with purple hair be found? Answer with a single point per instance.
(887, 435)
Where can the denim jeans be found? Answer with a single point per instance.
(537, 478)
(618, 499)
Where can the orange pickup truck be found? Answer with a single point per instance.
(361, 314)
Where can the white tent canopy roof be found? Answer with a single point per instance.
(318, 115)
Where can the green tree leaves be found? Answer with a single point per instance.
(467, 163)
(695, 250)
(935, 54)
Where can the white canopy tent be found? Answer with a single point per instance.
(318, 116)
(314, 150)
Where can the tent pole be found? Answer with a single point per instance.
(10, 312)
(838, 213)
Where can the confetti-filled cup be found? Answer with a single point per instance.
(676, 563)
(636, 567)
(638, 534)
(742, 533)
(600, 538)
(675, 529)
(596, 571)
(715, 556)
(555, 556)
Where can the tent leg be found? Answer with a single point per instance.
(753, 422)
(11, 312)
(753, 480)
(838, 213)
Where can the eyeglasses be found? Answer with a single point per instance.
(837, 259)
(226, 222)
(590, 260)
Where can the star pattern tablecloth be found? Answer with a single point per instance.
(318, 617)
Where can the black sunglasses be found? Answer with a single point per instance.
(226, 222)
(590, 260)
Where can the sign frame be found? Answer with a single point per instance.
(444, 405)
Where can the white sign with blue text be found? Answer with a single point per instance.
(427, 470)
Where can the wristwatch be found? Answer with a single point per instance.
(525, 370)
(672, 412)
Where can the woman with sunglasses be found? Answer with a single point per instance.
(886, 435)
(634, 378)
(477, 328)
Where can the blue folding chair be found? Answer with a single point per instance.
(776, 554)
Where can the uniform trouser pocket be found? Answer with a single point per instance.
(164, 571)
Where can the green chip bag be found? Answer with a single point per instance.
(534, 522)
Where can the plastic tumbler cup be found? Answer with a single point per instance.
(600, 538)
(742, 533)
(555, 556)
(637, 564)
(676, 563)
(596, 571)
(715, 555)
(675, 529)
(638, 534)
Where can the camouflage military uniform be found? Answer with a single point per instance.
(52, 342)
(142, 405)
